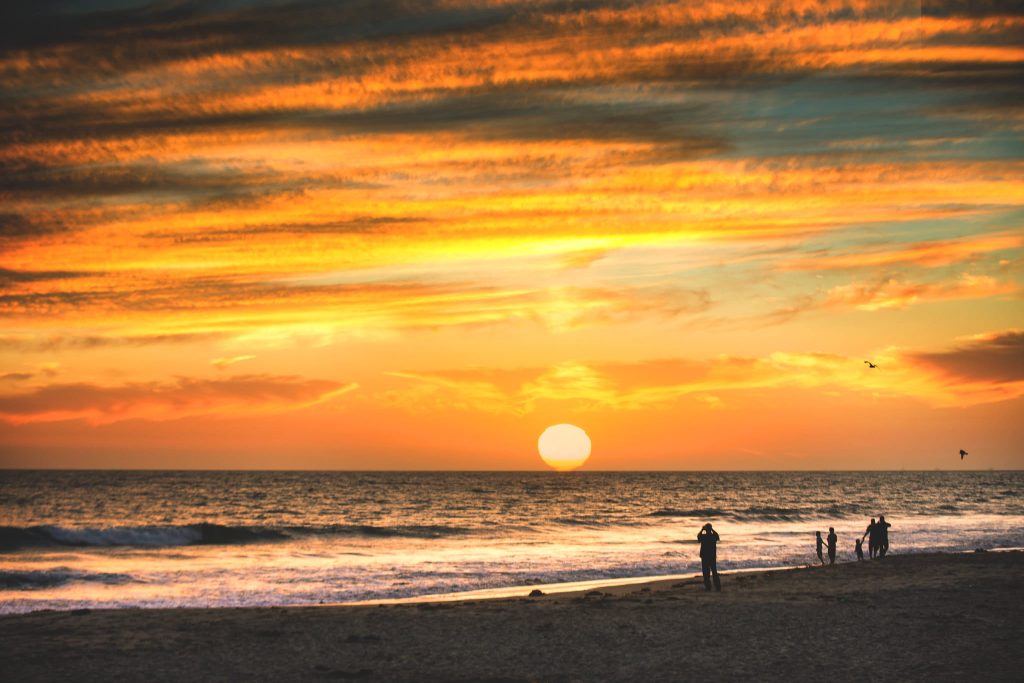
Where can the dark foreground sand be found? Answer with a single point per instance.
(935, 617)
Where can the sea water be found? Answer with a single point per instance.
(72, 539)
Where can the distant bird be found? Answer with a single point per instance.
(962, 453)
(870, 364)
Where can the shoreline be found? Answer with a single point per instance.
(613, 585)
(940, 616)
(566, 589)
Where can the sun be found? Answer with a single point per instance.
(564, 447)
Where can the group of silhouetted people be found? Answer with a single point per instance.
(877, 535)
(832, 540)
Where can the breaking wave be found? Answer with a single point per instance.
(16, 538)
(57, 576)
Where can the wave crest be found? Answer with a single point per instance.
(16, 538)
(696, 512)
(33, 579)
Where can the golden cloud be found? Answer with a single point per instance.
(183, 397)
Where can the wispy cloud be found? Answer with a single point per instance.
(896, 293)
(932, 253)
(233, 396)
(222, 363)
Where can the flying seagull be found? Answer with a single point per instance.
(870, 364)
(962, 453)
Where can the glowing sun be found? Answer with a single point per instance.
(564, 447)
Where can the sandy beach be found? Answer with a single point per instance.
(914, 617)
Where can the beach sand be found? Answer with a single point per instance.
(914, 617)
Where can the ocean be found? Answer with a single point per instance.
(110, 539)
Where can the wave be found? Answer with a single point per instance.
(769, 510)
(778, 514)
(401, 531)
(579, 521)
(771, 514)
(51, 578)
(697, 512)
(16, 538)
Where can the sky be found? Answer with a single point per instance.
(387, 234)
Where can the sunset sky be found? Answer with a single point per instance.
(382, 234)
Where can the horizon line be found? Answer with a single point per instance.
(481, 471)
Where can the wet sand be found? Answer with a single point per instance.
(914, 617)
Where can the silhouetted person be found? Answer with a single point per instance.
(858, 548)
(832, 539)
(869, 533)
(708, 538)
(882, 528)
(818, 543)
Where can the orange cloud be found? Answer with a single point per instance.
(927, 254)
(899, 293)
(994, 357)
(239, 395)
(222, 363)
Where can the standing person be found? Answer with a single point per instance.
(832, 540)
(708, 539)
(883, 535)
(869, 533)
(858, 548)
(818, 543)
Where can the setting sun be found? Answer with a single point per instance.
(564, 447)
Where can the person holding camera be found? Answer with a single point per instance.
(708, 539)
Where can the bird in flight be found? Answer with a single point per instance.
(962, 453)
(870, 364)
